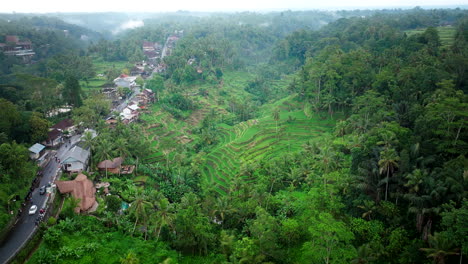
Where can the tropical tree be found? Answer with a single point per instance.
(163, 216)
(72, 92)
(130, 258)
(387, 164)
(140, 210)
(89, 142)
(104, 150)
(440, 247)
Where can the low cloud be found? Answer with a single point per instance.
(129, 25)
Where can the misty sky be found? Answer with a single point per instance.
(42, 6)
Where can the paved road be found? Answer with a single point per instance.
(125, 102)
(24, 227)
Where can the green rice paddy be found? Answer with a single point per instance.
(446, 34)
(246, 142)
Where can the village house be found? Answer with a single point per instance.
(160, 68)
(65, 126)
(110, 93)
(76, 160)
(82, 189)
(14, 47)
(137, 70)
(125, 81)
(115, 166)
(130, 113)
(148, 46)
(145, 97)
(36, 151)
(111, 166)
(111, 122)
(152, 51)
(54, 138)
(56, 133)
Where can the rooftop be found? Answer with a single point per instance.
(64, 124)
(76, 154)
(36, 148)
(80, 188)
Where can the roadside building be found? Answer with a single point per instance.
(65, 126)
(54, 138)
(76, 160)
(125, 81)
(80, 188)
(36, 151)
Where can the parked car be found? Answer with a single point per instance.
(33, 209)
(42, 190)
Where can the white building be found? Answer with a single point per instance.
(125, 81)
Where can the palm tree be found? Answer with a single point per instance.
(415, 180)
(440, 246)
(104, 151)
(130, 258)
(366, 254)
(89, 143)
(387, 164)
(329, 160)
(222, 207)
(164, 215)
(121, 147)
(140, 210)
(369, 207)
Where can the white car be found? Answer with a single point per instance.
(33, 209)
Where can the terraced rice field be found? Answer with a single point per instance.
(258, 139)
(446, 34)
(163, 132)
(239, 145)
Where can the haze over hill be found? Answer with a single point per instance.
(48, 6)
(335, 136)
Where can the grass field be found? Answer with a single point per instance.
(446, 34)
(101, 67)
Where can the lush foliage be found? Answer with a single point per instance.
(273, 140)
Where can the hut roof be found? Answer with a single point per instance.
(80, 188)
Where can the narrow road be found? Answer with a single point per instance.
(25, 226)
(125, 102)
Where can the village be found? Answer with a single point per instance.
(66, 141)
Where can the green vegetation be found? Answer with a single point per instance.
(260, 139)
(106, 72)
(273, 140)
(446, 34)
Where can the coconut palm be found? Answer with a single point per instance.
(140, 210)
(222, 207)
(130, 258)
(104, 150)
(365, 254)
(163, 216)
(387, 164)
(89, 143)
(440, 247)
